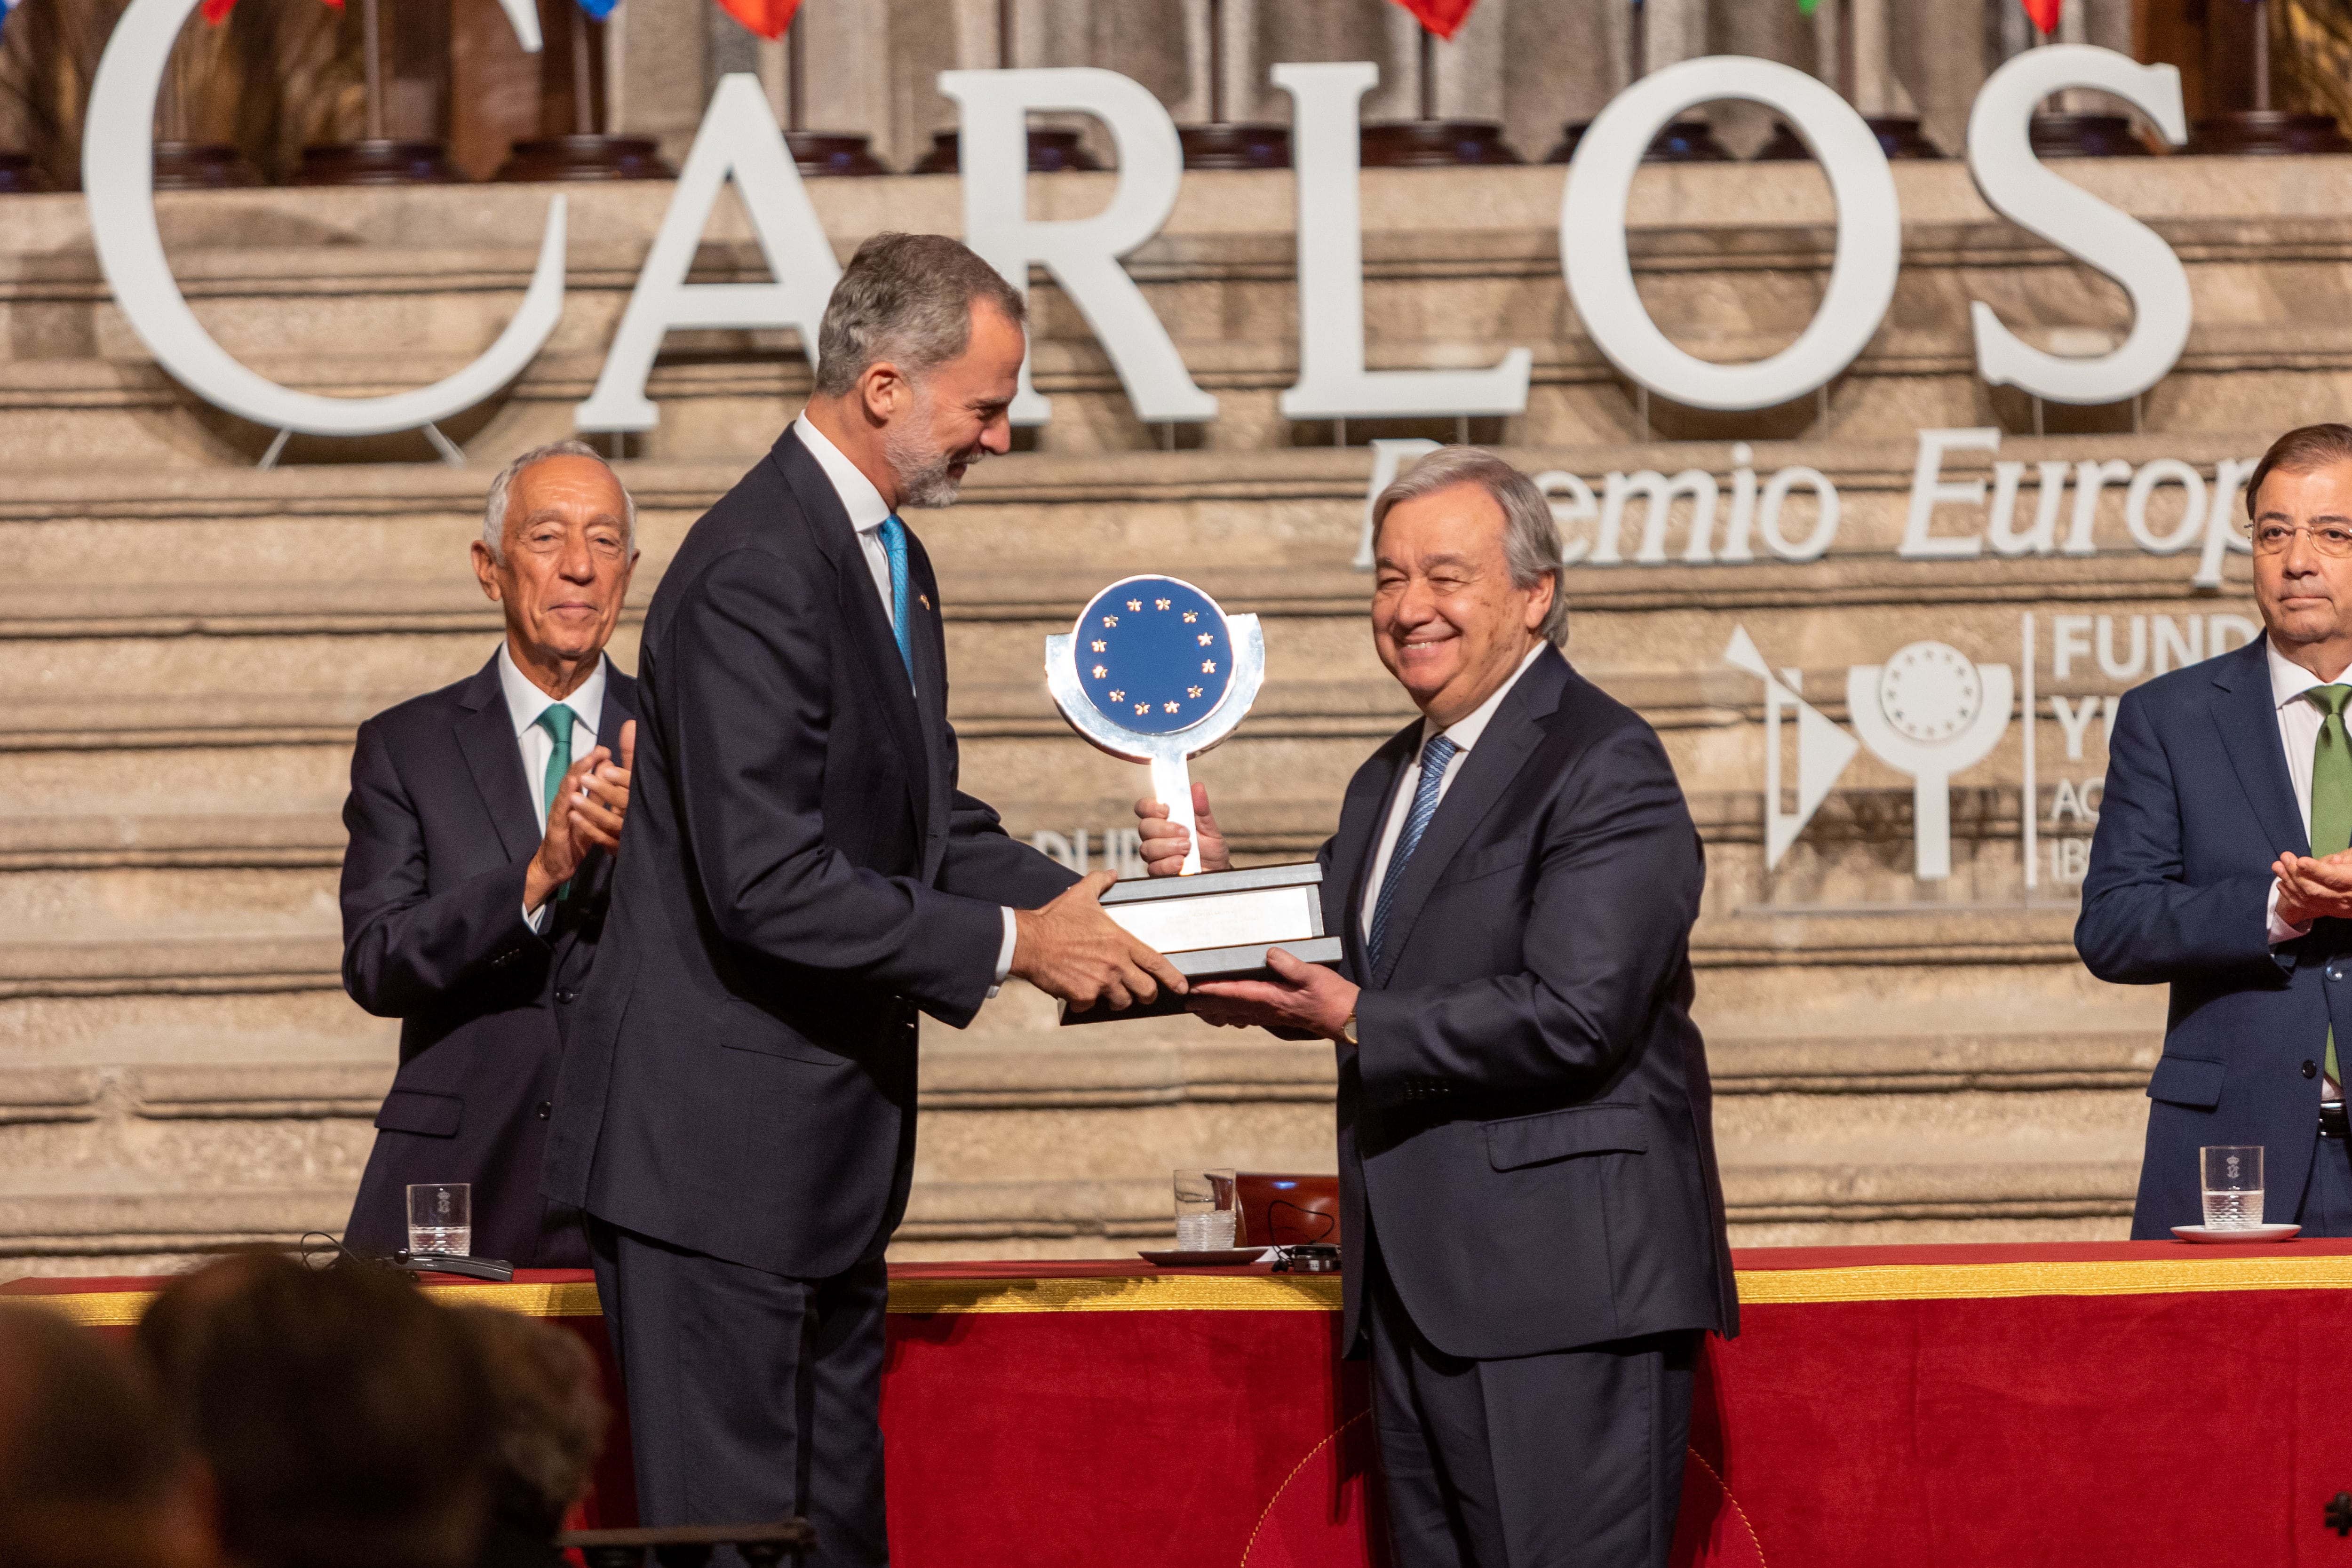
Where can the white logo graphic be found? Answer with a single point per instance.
(1929, 712)
(1823, 749)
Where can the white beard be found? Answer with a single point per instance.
(920, 468)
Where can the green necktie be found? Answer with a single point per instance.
(556, 719)
(2331, 798)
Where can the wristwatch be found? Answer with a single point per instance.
(1348, 1030)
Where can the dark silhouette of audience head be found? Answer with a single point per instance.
(548, 1422)
(344, 1417)
(91, 1467)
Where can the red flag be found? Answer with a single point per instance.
(769, 18)
(2044, 13)
(1443, 17)
(216, 11)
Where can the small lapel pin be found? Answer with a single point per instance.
(924, 600)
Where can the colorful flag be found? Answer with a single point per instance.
(1443, 17)
(3, 13)
(769, 18)
(1806, 7)
(216, 11)
(599, 9)
(2044, 13)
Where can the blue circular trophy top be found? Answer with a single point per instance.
(1153, 655)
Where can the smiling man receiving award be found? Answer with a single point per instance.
(1532, 1224)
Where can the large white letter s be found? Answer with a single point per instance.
(2019, 186)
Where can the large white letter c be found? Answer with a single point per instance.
(118, 172)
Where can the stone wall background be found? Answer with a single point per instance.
(189, 642)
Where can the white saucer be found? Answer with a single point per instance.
(1224, 1258)
(2259, 1233)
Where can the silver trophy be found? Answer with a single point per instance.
(1154, 672)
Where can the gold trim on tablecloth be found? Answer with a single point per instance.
(1122, 1293)
(123, 1309)
(1984, 1281)
(923, 1296)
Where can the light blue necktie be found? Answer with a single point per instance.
(894, 545)
(1433, 758)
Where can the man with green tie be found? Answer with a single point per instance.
(483, 818)
(2220, 866)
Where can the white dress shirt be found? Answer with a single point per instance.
(525, 703)
(867, 512)
(1464, 732)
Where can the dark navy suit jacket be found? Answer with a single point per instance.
(442, 833)
(2198, 805)
(1526, 1131)
(800, 877)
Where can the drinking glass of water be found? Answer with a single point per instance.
(1204, 1211)
(2233, 1185)
(441, 1219)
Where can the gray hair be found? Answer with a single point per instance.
(908, 298)
(494, 512)
(1530, 536)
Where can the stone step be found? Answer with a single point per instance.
(351, 546)
(1821, 1139)
(118, 1222)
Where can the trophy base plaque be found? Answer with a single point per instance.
(1217, 925)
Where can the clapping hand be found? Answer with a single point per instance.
(2312, 889)
(590, 807)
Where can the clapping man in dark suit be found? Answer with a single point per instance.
(482, 817)
(801, 878)
(1532, 1222)
(2219, 866)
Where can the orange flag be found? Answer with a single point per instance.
(769, 18)
(1443, 17)
(2044, 13)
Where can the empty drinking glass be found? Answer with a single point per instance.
(441, 1219)
(1204, 1211)
(2233, 1176)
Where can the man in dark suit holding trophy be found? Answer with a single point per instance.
(1531, 1218)
(801, 878)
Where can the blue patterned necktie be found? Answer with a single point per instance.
(1435, 755)
(894, 545)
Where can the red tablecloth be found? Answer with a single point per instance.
(2140, 1403)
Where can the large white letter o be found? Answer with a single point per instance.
(1601, 274)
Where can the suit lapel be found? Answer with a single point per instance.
(618, 710)
(884, 672)
(1485, 773)
(2248, 720)
(487, 737)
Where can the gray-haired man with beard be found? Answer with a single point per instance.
(801, 877)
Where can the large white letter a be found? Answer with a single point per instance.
(740, 138)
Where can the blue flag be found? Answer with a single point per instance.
(599, 9)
